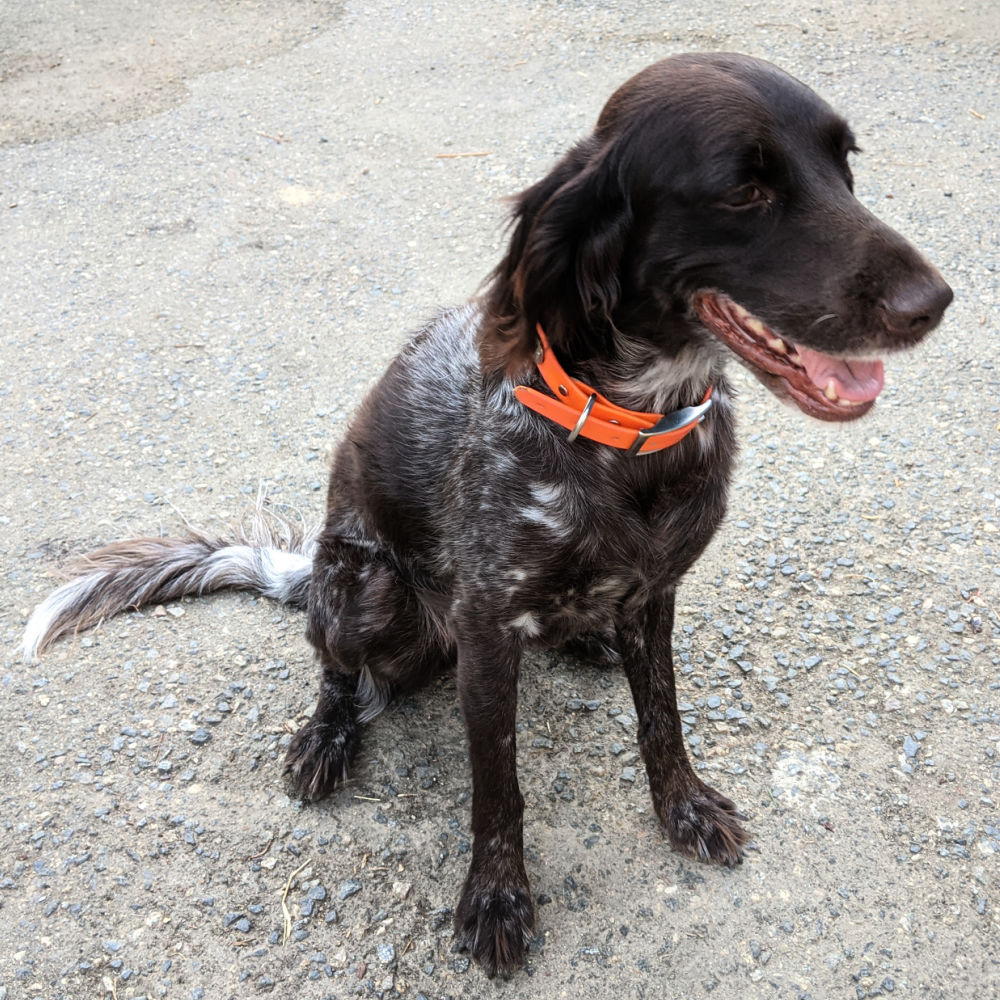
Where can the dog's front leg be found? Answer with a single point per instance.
(699, 821)
(495, 915)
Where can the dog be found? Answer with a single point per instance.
(542, 465)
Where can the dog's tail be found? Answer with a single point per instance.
(266, 554)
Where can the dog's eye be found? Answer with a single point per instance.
(746, 196)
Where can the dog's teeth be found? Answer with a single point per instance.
(754, 325)
(777, 345)
(739, 312)
(831, 391)
(794, 358)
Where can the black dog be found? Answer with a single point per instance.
(545, 464)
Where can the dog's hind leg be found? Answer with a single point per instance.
(374, 637)
(322, 749)
(699, 821)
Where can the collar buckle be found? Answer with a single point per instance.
(669, 423)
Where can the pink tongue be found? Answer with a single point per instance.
(856, 381)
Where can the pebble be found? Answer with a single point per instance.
(348, 888)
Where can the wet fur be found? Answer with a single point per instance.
(462, 528)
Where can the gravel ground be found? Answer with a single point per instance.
(217, 223)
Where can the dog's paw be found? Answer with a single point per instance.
(703, 825)
(317, 759)
(495, 925)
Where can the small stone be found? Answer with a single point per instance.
(386, 953)
(200, 736)
(348, 888)
(628, 774)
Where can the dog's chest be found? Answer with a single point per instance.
(583, 553)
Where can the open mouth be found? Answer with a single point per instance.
(822, 386)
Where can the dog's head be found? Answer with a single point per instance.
(714, 202)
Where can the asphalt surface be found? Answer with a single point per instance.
(218, 221)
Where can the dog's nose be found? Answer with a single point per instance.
(915, 308)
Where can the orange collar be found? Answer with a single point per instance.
(584, 412)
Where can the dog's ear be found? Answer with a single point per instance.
(564, 263)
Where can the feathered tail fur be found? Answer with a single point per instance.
(266, 554)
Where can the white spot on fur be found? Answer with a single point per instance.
(371, 695)
(612, 585)
(705, 432)
(650, 381)
(546, 518)
(527, 623)
(537, 515)
(547, 494)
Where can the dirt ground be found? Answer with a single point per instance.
(218, 221)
